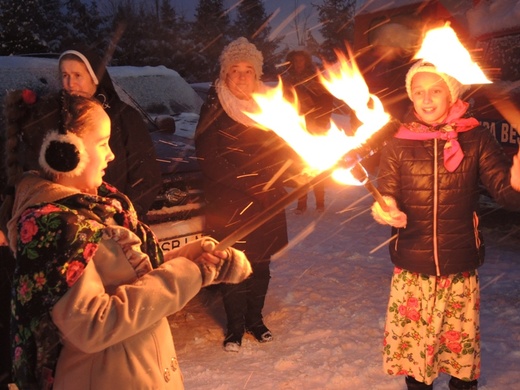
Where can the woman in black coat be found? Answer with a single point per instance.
(238, 159)
(135, 170)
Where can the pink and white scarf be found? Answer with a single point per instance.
(448, 131)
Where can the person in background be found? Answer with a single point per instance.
(238, 162)
(92, 288)
(316, 104)
(135, 170)
(430, 176)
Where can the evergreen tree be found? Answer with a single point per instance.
(210, 34)
(337, 17)
(84, 24)
(177, 43)
(167, 37)
(31, 26)
(137, 26)
(252, 22)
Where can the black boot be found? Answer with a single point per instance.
(234, 297)
(302, 205)
(459, 384)
(258, 283)
(413, 384)
(319, 193)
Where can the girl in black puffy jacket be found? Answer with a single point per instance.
(429, 175)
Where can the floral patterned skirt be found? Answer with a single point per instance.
(432, 326)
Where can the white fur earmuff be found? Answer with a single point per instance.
(63, 154)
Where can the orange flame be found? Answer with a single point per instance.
(442, 48)
(323, 151)
(344, 80)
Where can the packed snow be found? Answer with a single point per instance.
(326, 307)
(327, 300)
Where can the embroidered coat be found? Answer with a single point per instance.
(89, 310)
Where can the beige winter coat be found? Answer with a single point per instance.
(115, 334)
(112, 321)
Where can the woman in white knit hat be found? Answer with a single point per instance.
(430, 174)
(237, 159)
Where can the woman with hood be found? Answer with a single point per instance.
(91, 289)
(135, 170)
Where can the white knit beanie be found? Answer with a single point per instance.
(237, 51)
(455, 87)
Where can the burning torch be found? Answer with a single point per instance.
(335, 152)
(332, 154)
(350, 161)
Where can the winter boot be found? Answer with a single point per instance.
(261, 332)
(459, 384)
(233, 340)
(413, 384)
(258, 284)
(319, 193)
(234, 297)
(302, 205)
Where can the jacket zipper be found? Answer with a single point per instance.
(435, 204)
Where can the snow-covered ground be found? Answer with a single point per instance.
(326, 306)
(327, 300)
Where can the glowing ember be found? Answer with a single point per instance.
(442, 48)
(323, 151)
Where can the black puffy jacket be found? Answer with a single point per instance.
(442, 235)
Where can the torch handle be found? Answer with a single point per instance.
(360, 174)
(261, 218)
(377, 196)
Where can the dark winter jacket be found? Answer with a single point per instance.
(316, 103)
(237, 161)
(442, 235)
(134, 170)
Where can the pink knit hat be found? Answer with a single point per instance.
(240, 50)
(455, 87)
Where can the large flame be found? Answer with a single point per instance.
(344, 80)
(320, 152)
(442, 48)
